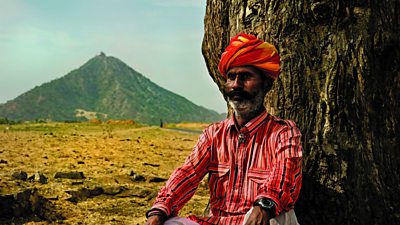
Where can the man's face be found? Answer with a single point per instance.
(245, 89)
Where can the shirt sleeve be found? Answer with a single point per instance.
(284, 184)
(184, 181)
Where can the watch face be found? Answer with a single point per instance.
(266, 203)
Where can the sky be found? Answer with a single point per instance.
(42, 40)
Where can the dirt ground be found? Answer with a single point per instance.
(82, 173)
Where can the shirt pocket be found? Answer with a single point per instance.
(218, 183)
(256, 179)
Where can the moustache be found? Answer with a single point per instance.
(239, 93)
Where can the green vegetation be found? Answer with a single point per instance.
(7, 121)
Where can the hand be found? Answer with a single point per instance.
(258, 217)
(154, 220)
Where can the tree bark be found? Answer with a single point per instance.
(340, 82)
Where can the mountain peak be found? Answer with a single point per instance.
(102, 63)
(102, 57)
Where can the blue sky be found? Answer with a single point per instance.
(41, 40)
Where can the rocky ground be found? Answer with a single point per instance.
(82, 173)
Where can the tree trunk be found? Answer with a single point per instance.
(340, 82)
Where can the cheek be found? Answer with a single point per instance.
(254, 89)
(226, 88)
(227, 85)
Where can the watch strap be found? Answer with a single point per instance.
(157, 212)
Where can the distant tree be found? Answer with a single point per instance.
(3, 120)
(340, 82)
(8, 121)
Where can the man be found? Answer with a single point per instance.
(253, 158)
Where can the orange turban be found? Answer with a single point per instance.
(247, 50)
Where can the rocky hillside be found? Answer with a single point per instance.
(105, 88)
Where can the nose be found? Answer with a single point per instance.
(236, 83)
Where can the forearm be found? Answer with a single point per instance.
(284, 184)
(184, 181)
(283, 187)
(178, 190)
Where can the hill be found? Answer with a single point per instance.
(105, 88)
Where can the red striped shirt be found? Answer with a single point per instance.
(262, 159)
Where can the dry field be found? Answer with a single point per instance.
(82, 173)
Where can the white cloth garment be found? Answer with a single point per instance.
(287, 218)
(179, 221)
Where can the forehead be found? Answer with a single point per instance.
(244, 70)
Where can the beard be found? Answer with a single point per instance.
(245, 104)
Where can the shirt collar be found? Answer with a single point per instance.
(251, 125)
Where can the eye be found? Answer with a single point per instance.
(245, 76)
(231, 76)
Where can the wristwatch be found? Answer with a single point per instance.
(157, 212)
(268, 205)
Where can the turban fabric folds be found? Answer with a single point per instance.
(247, 50)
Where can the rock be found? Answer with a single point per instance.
(127, 139)
(20, 175)
(27, 203)
(38, 177)
(150, 164)
(84, 193)
(157, 179)
(44, 209)
(152, 195)
(15, 205)
(70, 175)
(142, 192)
(136, 177)
(77, 183)
(113, 190)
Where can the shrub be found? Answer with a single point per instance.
(8, 121)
